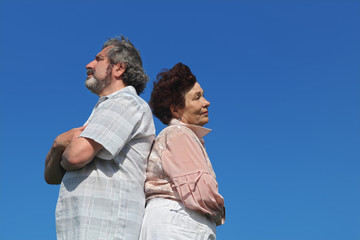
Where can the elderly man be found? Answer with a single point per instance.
(101, 166)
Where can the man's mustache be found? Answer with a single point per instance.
(90, 71)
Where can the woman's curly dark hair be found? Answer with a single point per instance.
(170, 89)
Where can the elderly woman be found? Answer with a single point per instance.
(182, 195)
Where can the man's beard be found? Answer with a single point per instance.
(95, 85)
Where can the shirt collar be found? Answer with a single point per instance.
(129, 89)
(199, 131)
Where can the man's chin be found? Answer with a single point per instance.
(93, 85)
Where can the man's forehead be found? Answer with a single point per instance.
(104, 51)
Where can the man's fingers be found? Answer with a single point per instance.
(82, 128)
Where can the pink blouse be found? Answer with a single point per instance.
(179, 169)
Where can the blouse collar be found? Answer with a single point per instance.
(199, 131)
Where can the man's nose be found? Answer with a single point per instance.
(91, 64)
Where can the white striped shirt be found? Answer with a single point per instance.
(105, 199)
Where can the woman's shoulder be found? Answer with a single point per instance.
(174, 131)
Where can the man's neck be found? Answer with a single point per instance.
(116, 86)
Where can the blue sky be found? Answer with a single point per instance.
(283, 79)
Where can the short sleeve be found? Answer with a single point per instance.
(185, 163)
(112, 125)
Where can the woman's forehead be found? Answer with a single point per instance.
(195, 88)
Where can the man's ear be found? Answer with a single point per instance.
(175, 111)
(119, 69)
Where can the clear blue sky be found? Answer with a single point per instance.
(283, 79)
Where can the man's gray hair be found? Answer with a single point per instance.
(123, 51)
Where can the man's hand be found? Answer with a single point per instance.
(63, 140)
(54, 172)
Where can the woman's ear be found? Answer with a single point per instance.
(119, 69)
(175, 112)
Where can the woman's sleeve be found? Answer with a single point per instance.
(185, 163)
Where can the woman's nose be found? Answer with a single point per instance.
(206, 103)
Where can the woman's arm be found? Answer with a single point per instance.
(185, 163)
